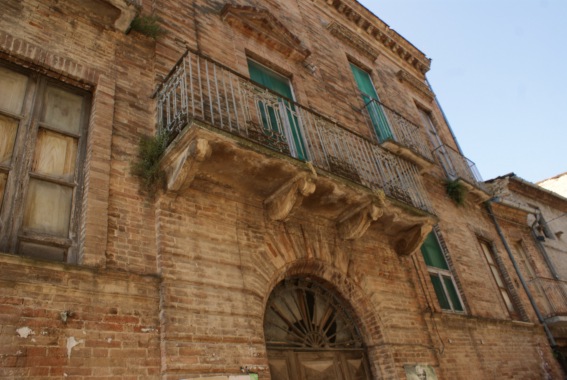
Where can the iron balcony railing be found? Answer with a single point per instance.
(555, 294)
(458, 166)
(390, 125)
(199, 88)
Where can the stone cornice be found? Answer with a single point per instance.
(352, 39)
(382, 33)
(406, 77)
(263, 25)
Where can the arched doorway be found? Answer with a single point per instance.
(310, 334)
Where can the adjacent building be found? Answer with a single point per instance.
(246, 189)
(534, 220)
(557, 184)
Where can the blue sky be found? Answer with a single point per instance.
(500, 74)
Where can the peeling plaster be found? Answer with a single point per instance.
(24, 332)
(72, 342)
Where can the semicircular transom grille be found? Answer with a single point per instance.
(302, 314)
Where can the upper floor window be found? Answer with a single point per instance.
(372, 104)
(440, 274)
(43, 128)
(498, 278)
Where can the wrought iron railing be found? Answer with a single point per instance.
(399, 129)
(202, 89)
(555, 293)
(458, 166)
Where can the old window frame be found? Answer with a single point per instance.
(30, 124)
(442, 274)
(489, 254)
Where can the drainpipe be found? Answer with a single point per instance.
(550, 337)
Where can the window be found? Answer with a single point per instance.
(440, 274)
(498, 278)
(43, 128)
(372, 103)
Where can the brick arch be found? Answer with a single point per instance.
(338, 283)
(353, 297)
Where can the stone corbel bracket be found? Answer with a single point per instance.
(128, 10)
(354, 223)
(181, 169)
(282, 202)
(411, 239)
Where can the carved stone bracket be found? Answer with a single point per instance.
(353, 224)
(181, 170)
(127, 10)
(408, 241)
(288, 197)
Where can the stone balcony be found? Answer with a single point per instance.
(236, 133)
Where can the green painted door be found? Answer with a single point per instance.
(370, 98)
(280, 118)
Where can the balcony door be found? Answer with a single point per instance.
(371, 103)
(278, 115)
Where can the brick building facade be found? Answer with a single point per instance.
(304, 229)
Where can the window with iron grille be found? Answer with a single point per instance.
(43, 125)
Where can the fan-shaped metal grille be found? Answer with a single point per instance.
(302, 314)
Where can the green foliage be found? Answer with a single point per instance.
(148, 26)
(147, 164)
(456, 190)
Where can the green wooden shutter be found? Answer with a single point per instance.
(368, 94)
(432, 252)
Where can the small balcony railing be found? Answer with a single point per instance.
(390, 125)
(199, 88)
(555, 293)
(458, 166)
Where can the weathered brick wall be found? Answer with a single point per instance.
(219, 255)
(111, 328)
